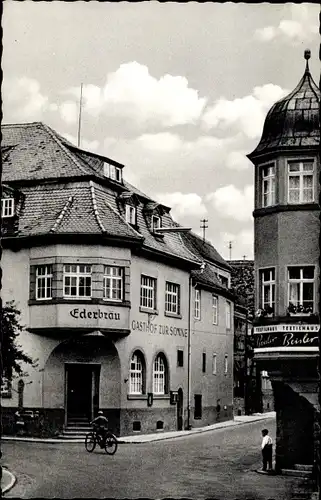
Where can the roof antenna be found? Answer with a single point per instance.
(307, 55)
(79, 121)
(204, 226)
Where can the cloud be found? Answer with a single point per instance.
(230, 201)
(133, 94)
(301, 26)
(183, 204)
(242, 244)
(163, 141)
(68, 111)
(246, 114)
(23, 100)
(237, 160)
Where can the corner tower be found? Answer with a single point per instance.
(286, 254)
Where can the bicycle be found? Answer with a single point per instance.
(109, 443)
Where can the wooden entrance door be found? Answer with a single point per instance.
(79, 391)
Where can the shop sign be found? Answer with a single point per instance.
(289, 339)
(286, 328)
(144, 326)
(84, 313)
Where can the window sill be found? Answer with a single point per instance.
(161, 396)
(61, 300)
(148, 311)
(172, 315)
(137, 396)
(197, 418)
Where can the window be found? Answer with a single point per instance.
(113, 283)
(136, 374)
(160, 375)
(180, 357)
(267, 280)
(301, 289)
(197, 406)
(172, 298)
(148, 292)
(301, 175)
(225, 363)
(228, 314)
(112, 172)
(223, 280)
(7, 207)
(214, 364)
(77, 281)
(197, 303)
(268, 185)
(156, 222)
(204, 362)
(130, 214)
(215, 309)
(43, 282)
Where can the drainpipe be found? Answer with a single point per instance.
(189, 354)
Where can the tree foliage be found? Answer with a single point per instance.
(242, 283)
(12, 354)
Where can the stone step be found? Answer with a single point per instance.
(296, 472)
(75, 431)
(303, 467)
(80, 425)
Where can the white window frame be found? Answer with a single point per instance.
(148, 290)
(301, 173)
(156, 222)
(75, 276)
(7, 207)
(130, 214)
(228, 314)
(172, 298)
(214, 364)
(268, 284)
(114, 277)
(197, 303)
(106, 169)
(136, 374)
(214, 309)
(301, 281)
(159, 375)
(44, 282)
(268, 184)
(226, 364)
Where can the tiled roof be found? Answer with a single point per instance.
(208, 277)
(36, 152)
(204, 249)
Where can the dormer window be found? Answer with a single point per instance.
(7, 207)
(112, 172)
(131, 214)
(156, 222)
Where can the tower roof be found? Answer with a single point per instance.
(293, 122)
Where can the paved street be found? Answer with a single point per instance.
(218, 464)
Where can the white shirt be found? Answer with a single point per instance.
(266, 440)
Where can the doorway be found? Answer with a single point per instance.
(179, 408)
(81, 390)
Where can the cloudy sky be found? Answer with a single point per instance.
(176, 92)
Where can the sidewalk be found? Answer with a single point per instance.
(159, 436)
(7, 480)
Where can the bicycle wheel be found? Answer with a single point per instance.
(90, 442)
(111, 444)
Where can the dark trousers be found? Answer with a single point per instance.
(267, 456)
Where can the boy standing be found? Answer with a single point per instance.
(267, 446)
